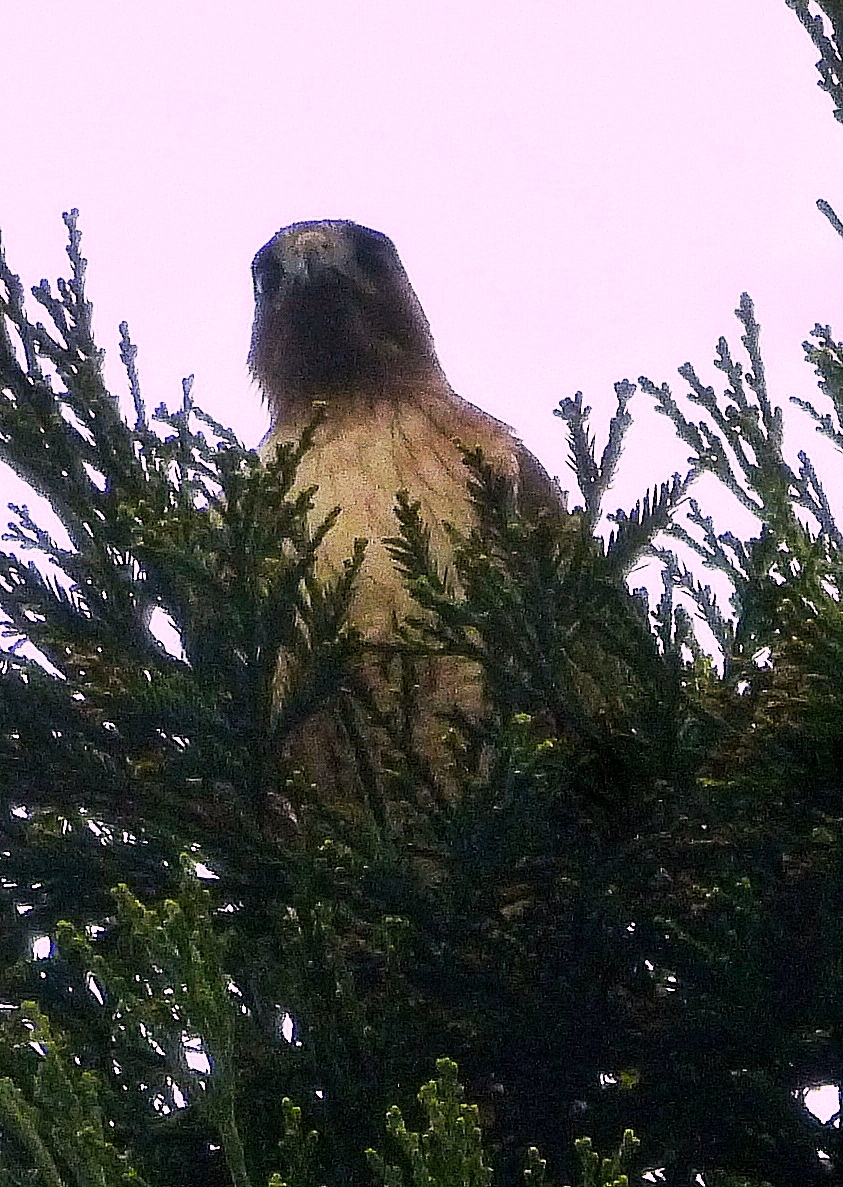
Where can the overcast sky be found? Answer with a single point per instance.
(579, 192)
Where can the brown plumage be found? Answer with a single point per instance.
(337, 324)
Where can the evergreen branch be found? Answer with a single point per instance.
(128, 356)
(227, 436)
(582, 459)
(637, 529)
(756, 378)
(606, 1172)
(443, 627)
(450, 1152)
(827, 360)
(167, 981)
(688, 432)
(12, 308)
(618, 426)
(543, 642)
(492, 493)
(26, 534)
(705, 600)
(813, 498)
(594, 480)
(760, 478)
(825, 424)
(830, 65)
(826, 209)
(47, 448)
(41, 610)
(733, 422)
(663, 613)
(61, 1125)
(709, 452)
(410, 549)
(21, 1119)
(724, 553)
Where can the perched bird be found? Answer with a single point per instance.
(337, 325)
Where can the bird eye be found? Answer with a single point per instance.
(372, 252)
(266, 274)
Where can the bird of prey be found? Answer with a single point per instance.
(338, 325)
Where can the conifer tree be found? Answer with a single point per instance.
(628, 916)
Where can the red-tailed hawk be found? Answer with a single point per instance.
(337, 324)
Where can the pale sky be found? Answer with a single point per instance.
(579, 192)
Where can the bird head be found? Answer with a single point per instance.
(336, 317)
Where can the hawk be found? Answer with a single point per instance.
(338, 325)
